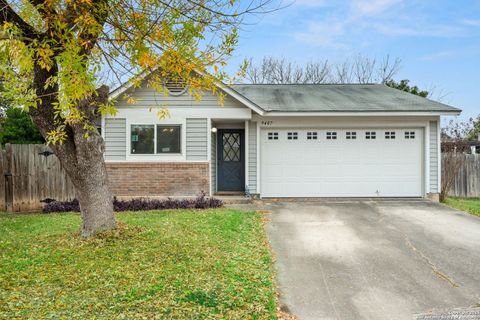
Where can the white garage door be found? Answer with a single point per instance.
(341, 162)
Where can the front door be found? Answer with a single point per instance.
(231, 160)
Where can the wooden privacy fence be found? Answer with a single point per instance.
(32, 174)
(467, 181)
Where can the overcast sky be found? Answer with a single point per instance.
(438, 41)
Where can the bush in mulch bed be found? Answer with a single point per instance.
(141, 204)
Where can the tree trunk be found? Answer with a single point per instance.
(82, 159)
(93, 192)
(80, 156)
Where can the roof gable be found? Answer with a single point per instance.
(128, 86)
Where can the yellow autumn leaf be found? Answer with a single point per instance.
(163, 113)
(146, 60)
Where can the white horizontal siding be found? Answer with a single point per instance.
(433, 150)
(148, 97)
(115, 139)
(197, 141)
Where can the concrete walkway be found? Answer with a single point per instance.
(362, 259)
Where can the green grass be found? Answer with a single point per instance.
(183, 264)
(470, 205)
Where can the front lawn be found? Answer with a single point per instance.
(471, 205)
(182, 264)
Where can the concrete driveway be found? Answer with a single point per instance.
(361, 259)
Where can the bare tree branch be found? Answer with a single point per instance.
(360, 69)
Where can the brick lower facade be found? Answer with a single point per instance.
(158, 179)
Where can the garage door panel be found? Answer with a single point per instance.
(342, 167)
(274, 171)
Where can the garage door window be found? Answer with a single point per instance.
(312, 135)
(273, 136)
(409, 134)
(370, 135)
(390, 135)
(351, 135)
(292, 135)
(331, 135)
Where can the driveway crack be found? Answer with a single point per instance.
(434, 268)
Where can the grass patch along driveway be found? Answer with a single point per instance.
(182, 264)
(470, 205)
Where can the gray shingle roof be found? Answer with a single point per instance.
(337, 98)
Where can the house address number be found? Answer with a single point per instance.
(267, 123)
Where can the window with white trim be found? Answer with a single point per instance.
(292, 135)
(351, 135)
(331, 135)
(168, 139)
(370, 135)
(409, 134)
(273, 136)
(389, 135)
(312, 135)
(144, 139)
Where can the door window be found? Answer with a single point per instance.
(231, 146)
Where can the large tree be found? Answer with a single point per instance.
(404, 85)
(56, 55)
(16, 127)
(474, 134)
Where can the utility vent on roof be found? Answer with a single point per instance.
(176, 87)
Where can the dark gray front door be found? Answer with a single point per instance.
(231, 160)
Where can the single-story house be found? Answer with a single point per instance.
(475, 146)
(345, 140)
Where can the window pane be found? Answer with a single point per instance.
(273, 136)
(168, 139)
(292, 135)
(142, 137)
(231, 146)
(331, 135)
(370, 135)
(351, 135)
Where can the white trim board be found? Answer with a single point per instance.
(359, 113)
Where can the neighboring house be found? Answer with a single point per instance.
(463, 146)
(277, 141)
(475, 146)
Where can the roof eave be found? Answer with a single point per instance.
(241, 98)
(362, 113)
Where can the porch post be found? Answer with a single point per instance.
(209, 154)
(247, 140)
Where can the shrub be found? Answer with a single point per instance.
(141, 204)
(62, 206)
